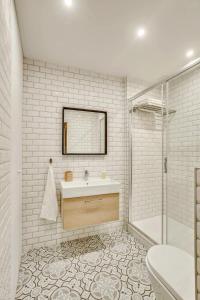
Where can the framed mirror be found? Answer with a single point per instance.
(84, 131)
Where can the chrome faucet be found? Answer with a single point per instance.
(86, 175)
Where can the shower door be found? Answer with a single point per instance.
(146, 199)
(183, 156)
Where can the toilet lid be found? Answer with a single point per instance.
(175, 269)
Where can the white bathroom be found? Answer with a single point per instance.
(99, 149)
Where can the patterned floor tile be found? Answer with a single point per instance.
(107, 267)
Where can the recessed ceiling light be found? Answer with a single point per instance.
(190, 53)
(141, 32)
(68, 3)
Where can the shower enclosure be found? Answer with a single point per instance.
(164, 125)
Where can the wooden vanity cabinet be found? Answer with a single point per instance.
(89, 210)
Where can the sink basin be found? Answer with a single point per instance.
(94, 186)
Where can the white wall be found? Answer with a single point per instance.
(183, 145)
(10, 99)
(5, 102)
(47, 88)
(16, 148)
(147, 165)
(146, 157)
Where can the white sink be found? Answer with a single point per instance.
(94, 186)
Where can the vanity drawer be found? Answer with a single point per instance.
(82, 211)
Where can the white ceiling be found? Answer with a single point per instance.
(100, 35)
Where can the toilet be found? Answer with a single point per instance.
(171, 272)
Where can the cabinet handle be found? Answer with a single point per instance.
(88, 201)
(93, 200)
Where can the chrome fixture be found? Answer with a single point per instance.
(86, 175)
(152, 105)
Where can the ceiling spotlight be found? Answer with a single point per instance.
(141, 32)
(68, 3)
(190, 53)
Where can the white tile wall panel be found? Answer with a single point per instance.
(183, 145)
(47, 88)
(146, 158)
(5, 97)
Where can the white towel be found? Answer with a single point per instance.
(49, 209)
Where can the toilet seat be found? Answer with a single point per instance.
(174, 268)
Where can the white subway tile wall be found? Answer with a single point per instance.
(146, 158)
(183, 146)
(10, 97)
(132, 88)
(47, 88)
(147, 165)
(5, 110)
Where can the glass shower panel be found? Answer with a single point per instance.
(183, 154)
(146, 203)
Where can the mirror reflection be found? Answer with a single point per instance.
(84, 131)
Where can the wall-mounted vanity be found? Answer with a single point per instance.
(89, 202)
(95, 200)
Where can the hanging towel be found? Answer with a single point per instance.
(49, 209)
